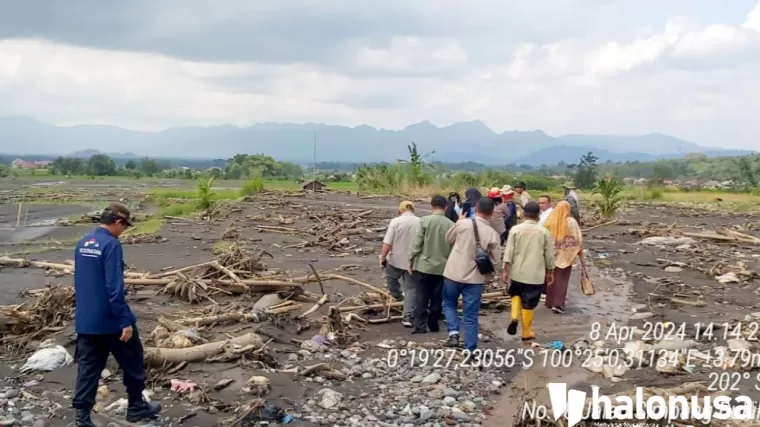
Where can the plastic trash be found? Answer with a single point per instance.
(557, 345)
(266, 414)
(258, 315)
(49, 357)
(181, 386)
(191, 333)
(321, 340)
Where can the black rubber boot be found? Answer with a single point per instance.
(141, 410)
(83, 418)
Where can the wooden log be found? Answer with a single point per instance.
(716, 236)
(367, 286)
(485, 298)
(163, 356)
(284, 309)
(273, 284)
(21, 262)
(180, 270)
(210, 320)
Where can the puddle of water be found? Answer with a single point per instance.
(609, 304)
(24, 234)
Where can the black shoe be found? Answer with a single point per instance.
(475, 360)
(407, 322)
(452, 341)
(398, 297)
(433, 327)
(142, 410)
(83, 418)
(419, 331)
(558, 310)
(512, 328)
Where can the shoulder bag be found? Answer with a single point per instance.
(482, 260)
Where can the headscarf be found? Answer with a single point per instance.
(557, 221)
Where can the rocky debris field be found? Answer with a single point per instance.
(272, 308)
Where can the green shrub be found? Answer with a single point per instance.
(609, 189)
(253, 185)
(205, 195)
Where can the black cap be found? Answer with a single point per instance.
(531, 208)
(119, 211)
(438, 201)
(521, 184)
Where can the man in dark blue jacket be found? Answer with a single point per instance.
(104, 323)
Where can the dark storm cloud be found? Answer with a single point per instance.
(284, 31)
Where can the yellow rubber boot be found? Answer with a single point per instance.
(516, 308)
(527, 326)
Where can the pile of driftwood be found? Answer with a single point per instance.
(142, 238)
(49, 311)
(331, 229)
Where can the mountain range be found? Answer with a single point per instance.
(461, 142)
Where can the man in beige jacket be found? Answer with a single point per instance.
(461, 275)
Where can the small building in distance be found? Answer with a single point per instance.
(37, 164)
(312, 185)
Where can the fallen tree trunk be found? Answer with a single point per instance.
(198, 353)
(485, 298)
(729, 236)
(356, 282)
(21, 262)
(228, 285)
(66, 268)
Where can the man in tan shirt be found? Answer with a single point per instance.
(528, 263)
(461, 275)
(394, 258)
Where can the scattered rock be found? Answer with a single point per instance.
(330, 398)
(642, 315)
(432, 378)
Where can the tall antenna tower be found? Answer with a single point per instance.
(314, 166)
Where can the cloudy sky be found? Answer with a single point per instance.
(690, 68)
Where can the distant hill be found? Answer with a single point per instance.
(91, 152)
(461, 142)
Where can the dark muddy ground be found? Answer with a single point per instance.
(190, 242)
(624, 272)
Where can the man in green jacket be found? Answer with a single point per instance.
(427, 261)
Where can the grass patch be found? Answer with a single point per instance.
(149, 226)
(157, 194)
(253, 186)
(178, 209)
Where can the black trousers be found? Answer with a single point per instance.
(530, 295)
(91, 356)
(429, 305)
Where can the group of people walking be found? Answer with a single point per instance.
(431, 262)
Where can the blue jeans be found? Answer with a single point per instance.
(471, 295)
